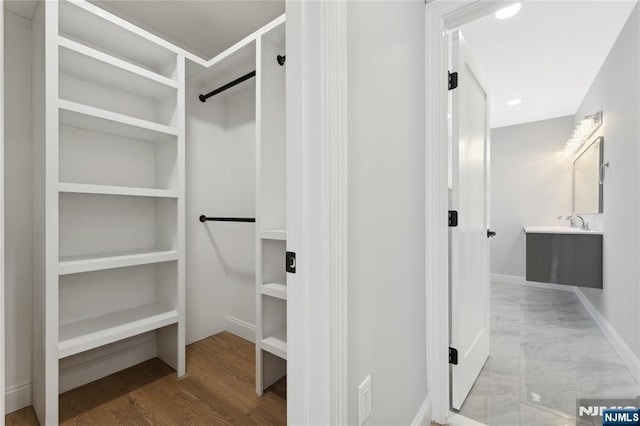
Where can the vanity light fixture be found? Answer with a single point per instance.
(583, 131)
(514, 102)
(509, 11)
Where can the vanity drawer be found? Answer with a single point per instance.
(571, 259)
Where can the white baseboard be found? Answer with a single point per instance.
(455, 419)
(241, 328)
(518, 280)
(17, 397)
(628, 357)
(624, 352)
(425, 414)
(90, 366)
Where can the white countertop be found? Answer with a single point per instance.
(557, 230)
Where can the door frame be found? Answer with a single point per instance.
(441, 16)
(317, 148)
(2, 244)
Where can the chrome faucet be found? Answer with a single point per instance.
(572, 220)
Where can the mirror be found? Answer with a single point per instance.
(587, 182)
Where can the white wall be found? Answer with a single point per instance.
(531, 184)
(18, 208)
(386, 208)
(240, 201)
(619, 99)
(220, 182)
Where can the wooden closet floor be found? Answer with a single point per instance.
(218, 389)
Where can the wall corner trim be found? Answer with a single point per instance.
(425, 413)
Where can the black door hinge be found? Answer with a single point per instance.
(453, 80)
(453, 218)
(291, 262)
(453, 356)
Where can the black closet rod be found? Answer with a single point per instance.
(203, 98)
(204, 218)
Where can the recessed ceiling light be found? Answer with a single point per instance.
(514, 102)
(509, 11)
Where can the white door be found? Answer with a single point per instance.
(469, 240)
(2, 383)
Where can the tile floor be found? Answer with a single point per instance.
(546, 351)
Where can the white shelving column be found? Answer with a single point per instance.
(271, 225)
(109, 176)
(2, 292)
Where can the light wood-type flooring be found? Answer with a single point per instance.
(218, 389)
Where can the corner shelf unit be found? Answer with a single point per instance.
(271, 224)
(109, 181)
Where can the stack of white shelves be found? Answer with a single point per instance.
(260, 54)
(111, 159)
(271, 238)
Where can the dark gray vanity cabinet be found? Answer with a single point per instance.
(571, 258)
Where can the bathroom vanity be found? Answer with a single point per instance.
(563, 255)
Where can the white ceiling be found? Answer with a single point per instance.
(204, 27)
(548, 55)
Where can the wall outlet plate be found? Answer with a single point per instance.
(364, 400)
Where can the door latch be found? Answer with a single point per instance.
(453, 218)
(291, 262)
(453, 356)
(453, 80)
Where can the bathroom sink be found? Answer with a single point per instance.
(557, 230)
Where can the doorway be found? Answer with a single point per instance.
(511, 300)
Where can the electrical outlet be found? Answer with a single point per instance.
(364, 400)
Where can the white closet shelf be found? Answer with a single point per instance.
(78, 264)
(273, 234)
(81, 188)
(98, 331)
(276, 345)
(92, 65)
(86, 117)
(81, 20)
(274, 290)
